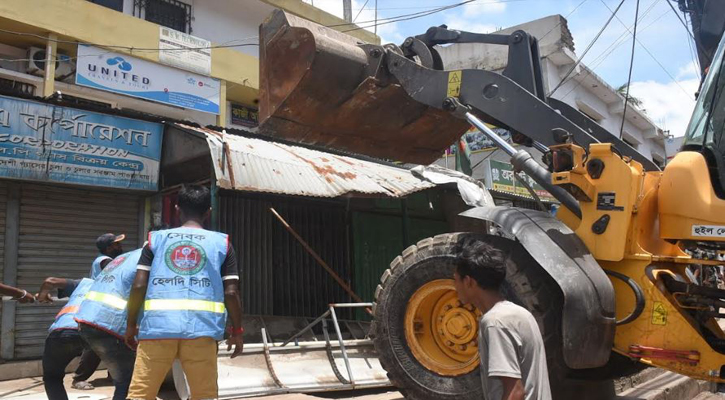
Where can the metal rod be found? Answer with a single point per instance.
(351, 305)
(319, 259)
(523, 161)
(342, 346)
(498, 140)
(307, 328)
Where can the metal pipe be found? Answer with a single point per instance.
(522, 161)
(342, 346)
(307, 328)
(350, 305)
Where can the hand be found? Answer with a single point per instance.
(131, 332)
(44, 297)
(26, 298)
(238, 342)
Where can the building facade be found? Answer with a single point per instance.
(85, 88)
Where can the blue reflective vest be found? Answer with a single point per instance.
(96, 267)
(105, 303)
(64, 319)
(185, 295)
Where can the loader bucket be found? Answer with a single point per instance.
(323, 87)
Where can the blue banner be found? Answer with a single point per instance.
(43, 142)
(130, 76)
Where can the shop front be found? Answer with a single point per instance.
(66, 177)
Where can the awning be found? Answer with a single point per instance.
(252, 164)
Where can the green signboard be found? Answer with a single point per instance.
(503, 180)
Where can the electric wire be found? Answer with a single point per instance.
(654, 58)
(560, 21)
(398, 18)
(416, 16)
(361, 10)
(579, 60)
(609, 50)
(621, 39)
(691, 34)
(631, 67)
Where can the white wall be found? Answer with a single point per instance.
(222, 21)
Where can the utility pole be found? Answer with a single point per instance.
(347, 10)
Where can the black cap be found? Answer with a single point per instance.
(108, 239)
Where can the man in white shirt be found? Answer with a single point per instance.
(513, 360)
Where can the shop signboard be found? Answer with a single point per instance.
(43, 142)
(184, 51)
(130, 76)
(245, 116)
(502, 179)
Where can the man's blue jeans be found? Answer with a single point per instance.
(118, 357)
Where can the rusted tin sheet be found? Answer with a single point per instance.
(258, 165)
(322, 87)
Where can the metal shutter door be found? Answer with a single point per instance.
(3, 207)
(58, 231)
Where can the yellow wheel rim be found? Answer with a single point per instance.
(441, 332)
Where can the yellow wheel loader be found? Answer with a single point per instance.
(606, 278)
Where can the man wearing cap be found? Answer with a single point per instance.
(63, 343)
(109, 246)
(102, 319)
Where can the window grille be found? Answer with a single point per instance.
(172, 14)
(112, 4)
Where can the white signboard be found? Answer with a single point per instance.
(184, 51)
(717, 231)
(123, 74)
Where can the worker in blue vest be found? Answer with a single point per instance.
(63, 343)
(187, 281)
(109, 246)
(102, 319)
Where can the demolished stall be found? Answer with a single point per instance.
(355, 214)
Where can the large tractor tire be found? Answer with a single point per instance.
(427, 340)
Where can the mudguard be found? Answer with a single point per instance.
(588, 317)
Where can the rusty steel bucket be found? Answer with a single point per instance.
(323, 87)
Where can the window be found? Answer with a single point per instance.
(112, 4)
(631, 143)
(588, 115)
(172, 14)
(658, 160)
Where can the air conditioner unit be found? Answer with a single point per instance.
(36, 63)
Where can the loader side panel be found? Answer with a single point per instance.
(589, 313)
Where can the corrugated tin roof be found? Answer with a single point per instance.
(258, 165)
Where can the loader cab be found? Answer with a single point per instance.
(706, 131)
